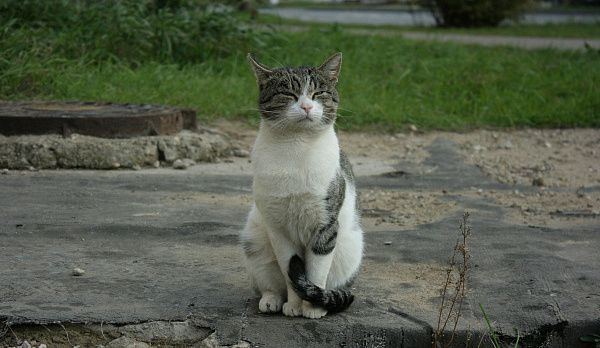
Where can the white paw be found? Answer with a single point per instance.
(270, 303)
(292, 309)
(312, 312)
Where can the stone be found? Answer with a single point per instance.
(176, 331)
(126, 342)
(78, 272)
(212, 342)
(538, 182)
(241, 153)
(479, 148)
(183, 163)
(87, 152)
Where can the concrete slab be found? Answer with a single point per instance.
(162, 245)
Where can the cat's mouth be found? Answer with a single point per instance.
(306, 119)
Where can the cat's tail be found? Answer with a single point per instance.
(333, 300)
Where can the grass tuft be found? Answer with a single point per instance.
(456, 279)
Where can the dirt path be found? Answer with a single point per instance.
(520, 42)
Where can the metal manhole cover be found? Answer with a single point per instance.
(106, 120)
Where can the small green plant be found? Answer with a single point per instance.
(494, 338)
(592, 338)
(451, 307)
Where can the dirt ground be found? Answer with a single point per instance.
(560, 163)
(562, 168)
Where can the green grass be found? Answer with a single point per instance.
(386, 82)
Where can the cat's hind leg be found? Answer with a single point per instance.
(264, 272)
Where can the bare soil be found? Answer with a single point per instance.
(562, 164)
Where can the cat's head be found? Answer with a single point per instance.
(298, 98)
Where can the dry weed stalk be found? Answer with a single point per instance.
(451, 307)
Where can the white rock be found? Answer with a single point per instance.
(126, 342)
(479, 148)
(183, 163)
(78, 272)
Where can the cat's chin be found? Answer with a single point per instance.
(298, 124)
(306, 119)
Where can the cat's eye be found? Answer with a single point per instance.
(290, 95)
(318, 94)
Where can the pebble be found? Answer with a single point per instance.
(183, 163)
(389, 242)
(4, 171)
(241, 153)
(156, 164)
(78, 272)
(538, 182)
(126, 342)
(479, 148)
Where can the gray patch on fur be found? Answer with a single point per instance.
(349, 175)
(249, 247)
(346, 167)
(325, 238)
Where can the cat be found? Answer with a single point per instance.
(303, 241)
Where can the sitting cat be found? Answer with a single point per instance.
(303, 241)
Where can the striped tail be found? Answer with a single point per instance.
(333, 300)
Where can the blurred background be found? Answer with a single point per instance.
(407, 63)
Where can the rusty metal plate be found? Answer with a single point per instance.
(107, 120)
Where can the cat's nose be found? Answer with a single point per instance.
(306, 107)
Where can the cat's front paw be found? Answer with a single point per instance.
(312, 312)
(292, 309)
(270, 303)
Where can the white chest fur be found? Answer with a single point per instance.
(291, 178)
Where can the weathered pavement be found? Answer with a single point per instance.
(161, 245)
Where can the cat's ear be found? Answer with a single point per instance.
(260, 70)
(332, 66)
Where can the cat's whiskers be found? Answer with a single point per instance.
(279, 124)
